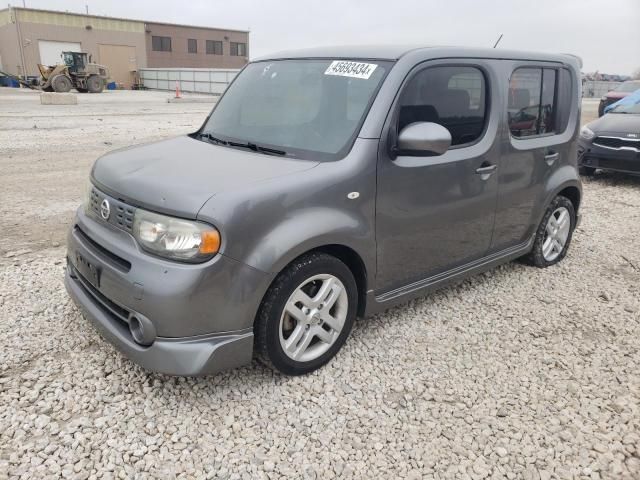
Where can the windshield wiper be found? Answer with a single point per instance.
(213, 139)
(251, 146)
(257, 148)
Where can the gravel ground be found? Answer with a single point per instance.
(516, 373)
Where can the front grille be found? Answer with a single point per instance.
(121, 214)
(617, 143)
(619, 164)
(108, 306)
(99, 250)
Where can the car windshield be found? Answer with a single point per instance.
(635, 109)
(302, 108)
(628, 87)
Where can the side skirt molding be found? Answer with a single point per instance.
(377, 303)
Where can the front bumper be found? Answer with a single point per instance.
(594, 156)
(200, 316)
(173, 356)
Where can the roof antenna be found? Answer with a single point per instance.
(497, 41)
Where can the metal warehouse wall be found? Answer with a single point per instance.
(596, 89)
(179, 57)
(198, 80)
(95, 35)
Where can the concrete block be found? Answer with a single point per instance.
(52, 98)
(208, 99)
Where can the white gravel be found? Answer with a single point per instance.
(517, 373)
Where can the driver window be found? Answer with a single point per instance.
(452, 96)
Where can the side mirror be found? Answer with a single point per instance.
(423, 139)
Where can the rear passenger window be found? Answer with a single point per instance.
(532, 102)
(454, 97)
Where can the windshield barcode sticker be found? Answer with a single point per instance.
(345, 68)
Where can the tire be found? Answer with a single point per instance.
(540, 256)
(314, 278)
(61, 84)
(95, 84)
(586, 171)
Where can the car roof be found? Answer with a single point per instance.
(395, 52)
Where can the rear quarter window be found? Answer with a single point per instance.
(539, 101)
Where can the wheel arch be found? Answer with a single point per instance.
(574, 194)
(354, 262)
(349, 256)
(564, 181)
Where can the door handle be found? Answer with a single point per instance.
(487, 170)
(551, 157)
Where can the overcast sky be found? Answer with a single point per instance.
(605, 33)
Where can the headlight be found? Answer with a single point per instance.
(175, 238)
(586, 133)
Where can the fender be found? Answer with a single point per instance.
(309, 229)
(566, 176)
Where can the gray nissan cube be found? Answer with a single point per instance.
(326, 184)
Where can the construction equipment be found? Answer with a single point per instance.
(77, 72)
(22, 82)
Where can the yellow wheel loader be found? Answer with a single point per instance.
(77, 72)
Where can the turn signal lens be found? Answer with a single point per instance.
(210, 242)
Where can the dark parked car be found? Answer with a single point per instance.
(611, 142)
(326, 184)
(621, 91)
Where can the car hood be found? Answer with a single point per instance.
(616, 123)
(177, 176)
(616, 95)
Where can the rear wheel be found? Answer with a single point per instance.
(554, 234)
(61, 84)
(306, 315)
(95, 84)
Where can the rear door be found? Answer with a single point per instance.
(533, 146)
(435, 213)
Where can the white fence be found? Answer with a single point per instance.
(198, 80)
(597, 88)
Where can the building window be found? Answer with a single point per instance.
(532, 102)
(238, 49)
(161, 44)
(214, 47)
(192, 45)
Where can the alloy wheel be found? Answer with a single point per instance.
(313, 317)
(556, 234)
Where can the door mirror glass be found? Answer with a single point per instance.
(423, 139)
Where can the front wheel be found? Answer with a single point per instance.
(554, 234)
(61, 83)
(306, 315)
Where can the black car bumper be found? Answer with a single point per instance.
(626, 160)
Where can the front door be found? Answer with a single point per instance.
(435, 213)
